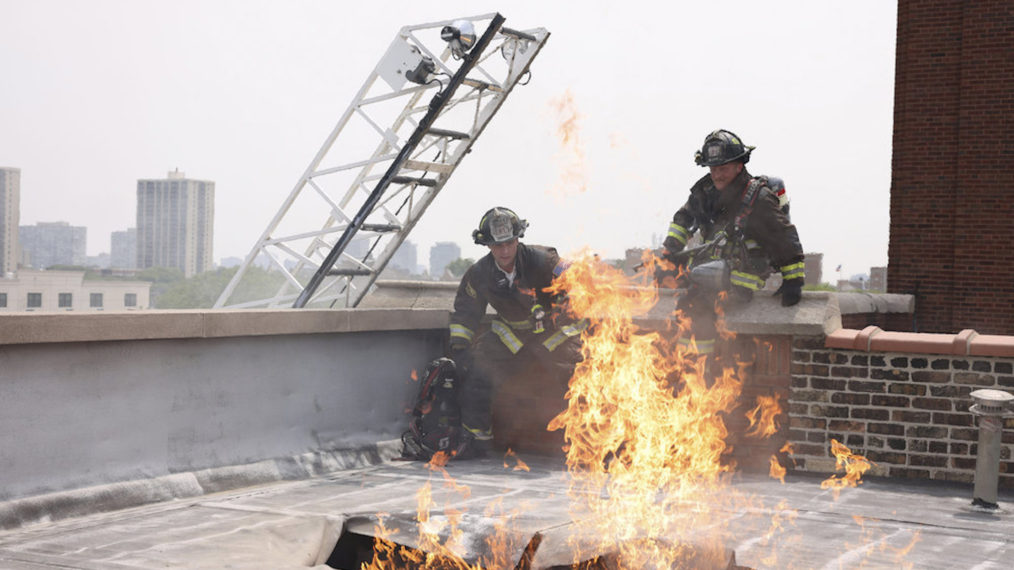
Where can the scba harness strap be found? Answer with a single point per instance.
(747, 202)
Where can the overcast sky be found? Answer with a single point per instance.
(98, 94)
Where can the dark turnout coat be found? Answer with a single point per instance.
(516, 322)
(767, 231)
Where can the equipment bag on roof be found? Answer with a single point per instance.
(436, 415)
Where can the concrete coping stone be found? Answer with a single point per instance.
(965, 343)
(817, 314)
(419, 305)
(32, 328)
(871, 303)
(396, 305)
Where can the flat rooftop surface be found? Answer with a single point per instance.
(296, 524)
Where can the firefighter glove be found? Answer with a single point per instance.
(791, 291)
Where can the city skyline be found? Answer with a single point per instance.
(409, 251)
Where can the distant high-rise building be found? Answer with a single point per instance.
(441, 255)
(878, 279)
(813, 268)
(123, 249)
(10, 217)
(406, 257)
(175, 223)
(54, 243)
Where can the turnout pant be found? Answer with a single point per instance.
(489, 363)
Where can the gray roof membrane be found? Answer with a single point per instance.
(327, 522)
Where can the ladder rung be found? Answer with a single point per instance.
(350, 272)
(441, 167)
(380, 227)
(516, 33)
(476, 84)
(446, 133)
(410, 180)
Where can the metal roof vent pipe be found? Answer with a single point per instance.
(992, 406)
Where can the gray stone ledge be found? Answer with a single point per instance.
(862, 303)
(817, 314)
(31, 328)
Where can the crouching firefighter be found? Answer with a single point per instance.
(744, 223)
(529, 334)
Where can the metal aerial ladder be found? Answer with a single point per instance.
(416, 116)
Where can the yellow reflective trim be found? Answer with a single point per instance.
(461, 331)
(679, 232)
(705, 346)
(748, 280)
(512, 342)
(793, 271)
(480, 434)
(518, 325)
(558, 338)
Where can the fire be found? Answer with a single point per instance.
(762, 418)
(643, 425)
(518, 464)
(571, 152)
(440, 536)
(854, 466)
(777, 471)
(646, 449)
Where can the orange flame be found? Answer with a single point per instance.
(777, 471)
(519, 465)
(762, 418)
(644, 428)
(645, 446)
(854, 466)
(440, 538)
(568, 130)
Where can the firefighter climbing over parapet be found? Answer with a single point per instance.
(745, 225)
(530, 332)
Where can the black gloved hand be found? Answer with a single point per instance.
(791, 292)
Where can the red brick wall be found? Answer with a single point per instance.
(952, 188)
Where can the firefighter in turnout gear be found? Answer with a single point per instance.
(530, 332)
(744, 222)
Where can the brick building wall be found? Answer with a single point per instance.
(907, 412)
(953, 159)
